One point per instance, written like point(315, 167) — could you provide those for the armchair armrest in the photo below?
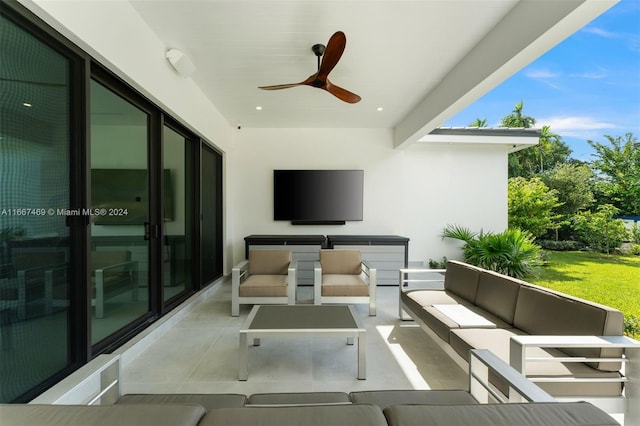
point(238, 273)
point(291, 282)
point(317, 282)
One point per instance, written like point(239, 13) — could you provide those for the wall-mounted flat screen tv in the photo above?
point(126, 189)
point(318, 196)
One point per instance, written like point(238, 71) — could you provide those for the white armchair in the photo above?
point(267, 277)
point(341, 276)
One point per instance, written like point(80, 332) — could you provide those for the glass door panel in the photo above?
point(35, 146)
point(119, 256)
point(177, 205)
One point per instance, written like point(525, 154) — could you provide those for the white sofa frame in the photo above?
point(240, 272)
point(369, 275)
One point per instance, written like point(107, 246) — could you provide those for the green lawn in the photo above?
point(607, 279)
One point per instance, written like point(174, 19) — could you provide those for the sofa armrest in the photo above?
point(631, 359)
point(419, 278)
point(521, 389)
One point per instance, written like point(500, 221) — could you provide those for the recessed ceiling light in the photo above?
point(259, 108)
point(26, 105)
point(379, 109)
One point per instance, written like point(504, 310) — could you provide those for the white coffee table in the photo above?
point(302, 320)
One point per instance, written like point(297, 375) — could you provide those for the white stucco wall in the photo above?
point(414, 192)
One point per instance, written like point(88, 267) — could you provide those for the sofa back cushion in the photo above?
point(269, 262)
point(341, 262)
point(498, 294)
point(461, 279)
point(540, 311)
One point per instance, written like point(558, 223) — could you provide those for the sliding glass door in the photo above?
point(119, 255)
point(35, 164)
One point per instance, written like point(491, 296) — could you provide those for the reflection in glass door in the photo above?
point(177, 206)
point(119, 256)
point(35, 142)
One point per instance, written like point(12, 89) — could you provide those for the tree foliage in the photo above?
point(617, 165)
point(572, 184)
point(531, 206)
point(549, 151)
point(600, 230)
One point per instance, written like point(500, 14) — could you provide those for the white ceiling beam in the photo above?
point(529, 30)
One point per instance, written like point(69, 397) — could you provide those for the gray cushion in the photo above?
point(387, 398)
point(462, 280)
point(552, 414)
point(541, 311)
point(315, 415)
point(208, 401)
point(498, 294)
point(417, 299)
point(100, 415)
point(299, 398)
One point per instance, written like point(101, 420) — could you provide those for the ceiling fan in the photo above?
point(330, 55)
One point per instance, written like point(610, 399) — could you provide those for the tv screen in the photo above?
point(318, 195)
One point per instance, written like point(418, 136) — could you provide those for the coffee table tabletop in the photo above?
point(302, 320)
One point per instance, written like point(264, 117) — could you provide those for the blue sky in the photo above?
point(586, 87)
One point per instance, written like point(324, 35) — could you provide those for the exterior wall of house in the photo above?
point(414, 192)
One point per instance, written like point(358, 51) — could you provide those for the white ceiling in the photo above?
point(421, 61)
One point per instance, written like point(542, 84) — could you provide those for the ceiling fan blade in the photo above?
point(332, 54)
point(279, 86)
point(342, 94)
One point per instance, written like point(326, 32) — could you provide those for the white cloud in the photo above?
point(541, 74)
point(576, 126)
point(595, 75)
point(600, 32)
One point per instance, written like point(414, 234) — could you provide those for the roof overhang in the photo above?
point(514, 139)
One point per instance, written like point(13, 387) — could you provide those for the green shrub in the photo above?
point(434, 264)
point(511, 252)
point(632, 326)
point(565, 245)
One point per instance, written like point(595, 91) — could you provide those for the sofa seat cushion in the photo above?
point(208, 401)
point(343, 285)
point(299, 398)
point(442, 324)
point(552, 413)
point(100, 415)
point(497, 341)
point(309, 415)
point(417, 299)
point(388, 398)
point(264, 286)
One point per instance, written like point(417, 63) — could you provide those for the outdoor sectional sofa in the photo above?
point(66, 405)
point(573, 348)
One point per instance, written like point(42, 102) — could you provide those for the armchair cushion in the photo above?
point(269, 262)
point(341, 262)
point(343, 285)
point(264, 286)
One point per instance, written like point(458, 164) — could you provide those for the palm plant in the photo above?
point(511, 252)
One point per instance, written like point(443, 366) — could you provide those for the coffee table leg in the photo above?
point(243, 371)
point(362, 356)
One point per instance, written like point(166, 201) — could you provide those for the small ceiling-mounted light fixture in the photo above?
point(179, 61)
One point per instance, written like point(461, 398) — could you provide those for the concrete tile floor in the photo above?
point(199, 354)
